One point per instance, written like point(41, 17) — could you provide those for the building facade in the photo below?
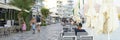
point(68, 8)
point(60, 10)
point(36, 8)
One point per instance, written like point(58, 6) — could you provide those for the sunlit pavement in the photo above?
point(51, 32)
point(113, 36)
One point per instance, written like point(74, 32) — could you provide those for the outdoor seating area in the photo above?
point(7, 19)
point(6, 31)
point(68, 33)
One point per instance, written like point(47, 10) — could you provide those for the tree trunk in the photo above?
point(105, 26)
point(19, 20)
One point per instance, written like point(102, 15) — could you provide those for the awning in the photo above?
point(9, 7)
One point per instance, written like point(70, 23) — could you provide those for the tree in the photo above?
point(45, 13)
point(23, 5)
point(119, 16)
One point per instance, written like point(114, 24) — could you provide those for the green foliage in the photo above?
point(45, 12)
point(27, 20)
point(26, 17)
point(25, 14)
point(22, 4)
point(43, 24)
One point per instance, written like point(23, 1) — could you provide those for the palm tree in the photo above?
point(23, 5)
point(45, 13)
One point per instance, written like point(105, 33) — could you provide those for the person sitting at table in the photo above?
point(78, 29)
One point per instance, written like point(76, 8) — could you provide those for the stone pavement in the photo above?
point(50, 32)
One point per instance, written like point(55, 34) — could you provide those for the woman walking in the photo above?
point(23, 26)
point(38, 27)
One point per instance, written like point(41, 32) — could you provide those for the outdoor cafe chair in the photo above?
point(1, 31)
point(68, 33)
point(86, 37)
point(80, 34)
point(69, 36)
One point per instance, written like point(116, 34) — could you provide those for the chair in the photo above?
point(68, 38)
point(6, 31)
point(80, 34)
point(68, 33)
point(1, 31)
point(66, 28)
point(12, 29)
point(86, 37)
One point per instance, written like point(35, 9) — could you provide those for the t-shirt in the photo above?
point(77, 30)
point(38, 19)
point(33, 26)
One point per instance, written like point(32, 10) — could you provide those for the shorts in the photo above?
point(33, 29)
point(39, 23)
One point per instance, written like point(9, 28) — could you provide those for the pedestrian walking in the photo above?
point(33, 27)
point(38, 27)
point(33, 24)
point(38, 22)
point(23, 26)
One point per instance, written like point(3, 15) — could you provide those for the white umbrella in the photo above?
point(9, 7)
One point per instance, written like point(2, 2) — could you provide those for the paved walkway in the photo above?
point(51, 32)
